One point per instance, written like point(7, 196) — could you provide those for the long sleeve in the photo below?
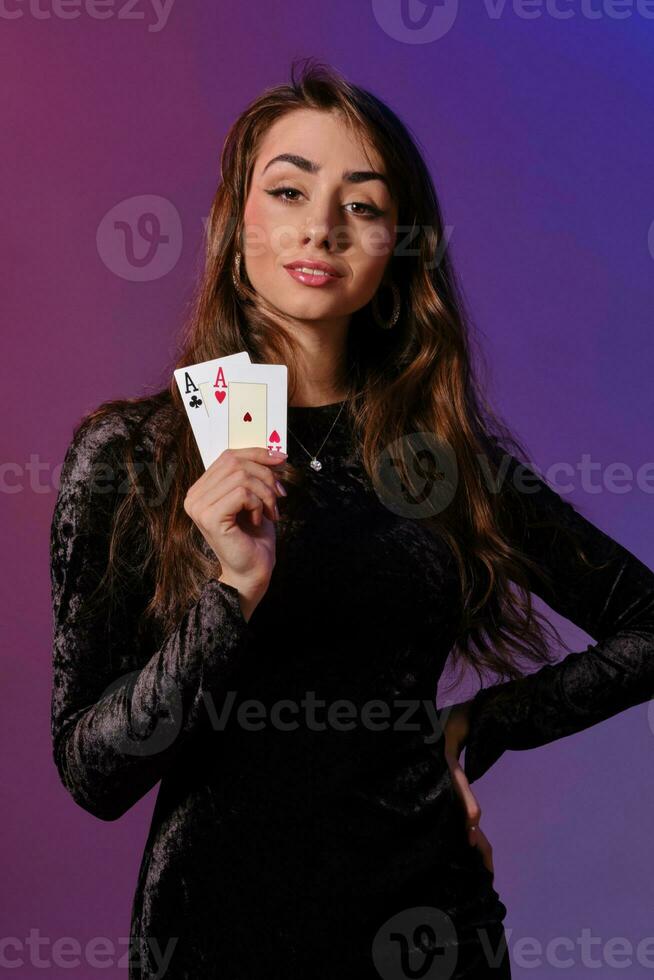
point(120, 718)
point(613, 604)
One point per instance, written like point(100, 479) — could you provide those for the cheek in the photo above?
point(374, 244)
point(267, 235)
point(256, 232)
point(258, 237)
point(370, 257)
point(251, 213)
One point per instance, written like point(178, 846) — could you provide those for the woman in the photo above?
point(266, 637)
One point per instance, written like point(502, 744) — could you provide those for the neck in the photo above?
point(321, 362)
point(320, 357)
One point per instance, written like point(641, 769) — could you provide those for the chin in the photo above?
point(313, 310)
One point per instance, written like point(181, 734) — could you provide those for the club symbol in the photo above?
point(195, 402)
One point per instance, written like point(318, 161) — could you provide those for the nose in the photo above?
point(322, 227)
point(318, 235)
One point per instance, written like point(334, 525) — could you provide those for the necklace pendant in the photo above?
point(315, 464)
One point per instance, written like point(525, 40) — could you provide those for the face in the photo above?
point(328, 207)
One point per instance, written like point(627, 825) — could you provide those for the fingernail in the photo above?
point(276, 452)
point(276, 512)
point(280, 488)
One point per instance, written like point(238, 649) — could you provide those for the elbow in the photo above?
point(93, 800)
point(99, 809)
point(96, 809)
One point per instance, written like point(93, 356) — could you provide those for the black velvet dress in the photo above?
point(299, 831)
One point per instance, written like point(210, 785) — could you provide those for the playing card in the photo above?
point(203, 386)
point(253, 413)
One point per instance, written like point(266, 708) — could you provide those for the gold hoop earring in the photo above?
point(395, 315)
point(236, 275)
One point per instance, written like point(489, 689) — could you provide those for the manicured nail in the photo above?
point(280, 488)
point(276, 452)
point(276, 512)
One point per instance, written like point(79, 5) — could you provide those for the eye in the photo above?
point(283, 190)
point(279, 191)
point(369, 210)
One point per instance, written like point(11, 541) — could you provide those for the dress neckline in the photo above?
point(316, 408)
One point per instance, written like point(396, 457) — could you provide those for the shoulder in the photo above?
point(515, 477)
point(104, 436)
point(531, 511)
point(523, 497)
point(103, 464)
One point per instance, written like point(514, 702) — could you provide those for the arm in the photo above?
point(119, 719)
point(614, 605)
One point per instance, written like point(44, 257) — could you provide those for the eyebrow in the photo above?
point(352, 176)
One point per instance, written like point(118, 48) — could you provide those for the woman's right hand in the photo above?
point(234, 505)
point(456, 731)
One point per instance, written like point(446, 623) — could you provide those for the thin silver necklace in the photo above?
point(315, 463)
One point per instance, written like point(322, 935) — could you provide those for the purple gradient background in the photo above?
point(539, 135)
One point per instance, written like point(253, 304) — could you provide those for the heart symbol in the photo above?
point(274, 436)
point(247, 417)
point(220, 395)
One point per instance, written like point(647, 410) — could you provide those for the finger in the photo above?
point(256, 454)
point(257, 516)
point(228, 460)
point(242, 499)
point(469, 801)
point(267, 475)
point(485, 849)
point(216, 492)
point(209, 487)
point(267, 493)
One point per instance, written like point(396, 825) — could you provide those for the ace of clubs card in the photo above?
point(196, 384)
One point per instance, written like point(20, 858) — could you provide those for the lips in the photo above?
point(314, 265)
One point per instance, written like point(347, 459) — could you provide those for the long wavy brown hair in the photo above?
point(411, 387)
